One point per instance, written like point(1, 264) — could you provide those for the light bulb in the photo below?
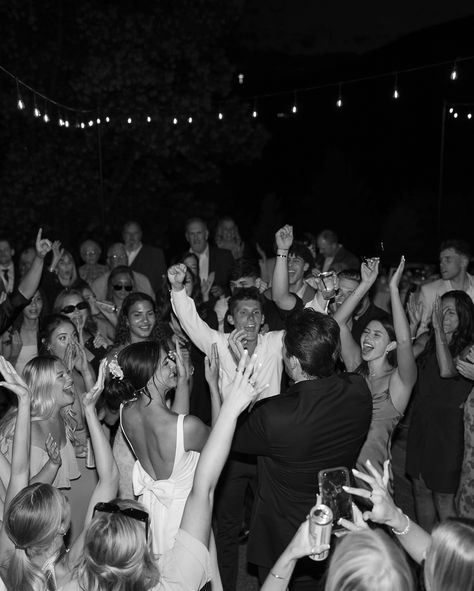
point(190, 119)
point(20, 104)
point(395, 93)
point(454, 73)
point(175, 121)
point(451, 110)
point(129, 120)
point(455, 115)
point(46, 118)
point(83, 125)
point(241, 78)
point(339, 102)
point(107, 119)
point(98, 121)
point(66, 123)
point(91, 123)
point(294, 109)
point(469, 115)
point(61, 122)
point(148, 119)
point(37, 112)
point(254, 114)
point(221, 116)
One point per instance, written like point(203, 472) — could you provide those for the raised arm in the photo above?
point(211, 368)
point(447, 367)
point(403, 380)
point(368, 271)
point(107, 470)
point(181, 396)
point(198, 510)
point(280, 287)
point(30, 282)
point(185, 309)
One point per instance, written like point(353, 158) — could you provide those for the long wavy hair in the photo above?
point(116, 556)
point(68, 255)
point(387, 325)
point(40, 376)
point(32, 522)
point(463, 335)
point(121, 269)
point(90, 325)
point(122, 330)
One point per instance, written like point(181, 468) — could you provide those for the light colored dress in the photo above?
point(165, 499)
point(385, 418)
point(465, 495)
point(27, 353)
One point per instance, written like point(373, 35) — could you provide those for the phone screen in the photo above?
point(333, 495)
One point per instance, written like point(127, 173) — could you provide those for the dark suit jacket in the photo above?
point(151, 262)
point(315, 425)
point(343, 259)
point(221, 262)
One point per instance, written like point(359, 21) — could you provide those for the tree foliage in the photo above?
point(118, 59)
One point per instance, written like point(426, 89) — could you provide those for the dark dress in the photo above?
point(436, 435)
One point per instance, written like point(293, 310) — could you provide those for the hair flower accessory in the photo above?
point(115, 369)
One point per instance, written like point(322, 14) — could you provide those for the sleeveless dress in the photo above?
point(465, 496)
point(376, 448)
point(165, 499)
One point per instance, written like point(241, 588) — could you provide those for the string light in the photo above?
point(190, 120)
point(66, 123)
point(148, 119)
point(396, 94)
point(455, 115)
point(98, 121)
point(91, 123)
point(454, 73)
point(339, 99)
point(107, 119)
point(469, 115)
point(255, 112)
point(451, 110)
point(241, 78)
point(36, 111)
point(83, 125)
point(294, 108)
point(129, 120)
point(220, 116)
point(20, 104)
point(175, 121)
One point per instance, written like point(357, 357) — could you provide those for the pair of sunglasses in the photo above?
point(121, 286)
point(127, 512)
point(70, 309)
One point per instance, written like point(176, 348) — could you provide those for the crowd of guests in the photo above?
point(127, 461)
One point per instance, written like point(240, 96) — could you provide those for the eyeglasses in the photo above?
point(121, 286)
point(127, 512)
point(70, 309)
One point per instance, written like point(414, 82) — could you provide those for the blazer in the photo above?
point(427, 296)
point(150, 261)
point(314, 425)
point(343, 259)
point(221, 262)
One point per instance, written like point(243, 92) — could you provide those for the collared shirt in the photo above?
point(132, 255)
point(8, 271)
point(269, 347)
point(203, 263)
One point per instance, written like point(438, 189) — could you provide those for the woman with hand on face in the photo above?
point(72, 304)
point(436, 434)
point(384, 357)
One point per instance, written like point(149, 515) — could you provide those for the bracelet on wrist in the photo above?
point(404, 531)
point(282, 256)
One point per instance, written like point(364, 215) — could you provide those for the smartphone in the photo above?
point(333, 495)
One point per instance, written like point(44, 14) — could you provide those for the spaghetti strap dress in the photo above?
point(165, 499)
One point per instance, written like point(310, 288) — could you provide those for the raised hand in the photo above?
point(414, 310)
point(57, 254)
point(43, 245)
point(176, 276)
point(13, 382)
point(184, 366)
point(211, 367)
point(53, 450)
point(302, 543)
point(284, 237)
point(369, 271)
point(206, 285)
point(246, 386)
point(90, 398)
point(437, 314)
point(237, 341)
point(396, 277)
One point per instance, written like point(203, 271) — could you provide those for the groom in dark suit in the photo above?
point(320, 422)
point(148, 260)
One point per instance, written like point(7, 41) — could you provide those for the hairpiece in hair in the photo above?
point(115, 369)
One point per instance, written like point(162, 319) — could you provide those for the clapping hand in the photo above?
point(437, 315)
point(237, 341)
point(211, 367)
point(13, 382)
point(414, 310)
point(90, 398)
point(369, 271)
point(246, 386)
point(397, 275)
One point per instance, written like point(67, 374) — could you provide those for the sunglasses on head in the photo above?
point(127, 512)
point(121, 286)
point(70, 309)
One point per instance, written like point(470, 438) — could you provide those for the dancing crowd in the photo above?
point(152, 417)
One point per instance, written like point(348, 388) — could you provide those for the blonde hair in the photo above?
point(32, 522)
point(449, 563)
point(116, 556)
point(40, 375)
point(368, 561)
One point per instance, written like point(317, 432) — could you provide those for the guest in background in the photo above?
point(90, 253)
point(332, 255)
point(227, 236)
point(7, 268)
point(145, 259)
point(27, 256)
point(117, 257)
point(61, 274)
